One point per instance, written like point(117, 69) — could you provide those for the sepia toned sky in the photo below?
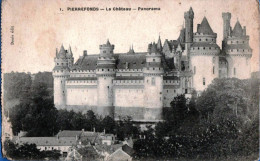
point(40, 27)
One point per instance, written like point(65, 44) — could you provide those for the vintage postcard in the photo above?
point(122, 80)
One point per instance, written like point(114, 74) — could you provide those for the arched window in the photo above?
point(194, 70)
point(234, 71)
point(213, 70)
point(204, 81)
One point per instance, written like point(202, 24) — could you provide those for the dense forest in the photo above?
point(222, 122)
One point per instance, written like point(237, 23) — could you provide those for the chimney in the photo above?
point(244, 31)
point(83, 130)
point(94, 130)
point(126, 65)
point(85, 53)
point(76, 137)
point(104, 131)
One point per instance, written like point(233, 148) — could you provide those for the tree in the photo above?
point(36, 114)
point(28, 152)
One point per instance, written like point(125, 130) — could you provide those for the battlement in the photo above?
point(226, 15)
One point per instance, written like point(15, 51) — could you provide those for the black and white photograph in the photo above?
point(121, 80)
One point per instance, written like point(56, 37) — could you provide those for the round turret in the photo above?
point(106, 50)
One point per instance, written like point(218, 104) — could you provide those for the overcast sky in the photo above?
point(40, 27)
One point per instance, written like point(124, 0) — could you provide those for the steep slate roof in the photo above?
point(135, 61)
point(128, 149)
point(237, 31)
point(181, 37)
point(204, 27)
point(47, 141)
point(171, 44)
point(69, 133)
point(86, 62)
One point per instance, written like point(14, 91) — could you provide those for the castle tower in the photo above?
point(63, 61)
point(189, 16)
point(153, 84)
point(204, 56)
point(238, 53)
point(105, 71)
point(226, 24)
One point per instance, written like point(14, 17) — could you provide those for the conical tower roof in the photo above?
point(237, 31)
point(62, 52)
point(159, 44)
point(204, 27)
point(69, 54)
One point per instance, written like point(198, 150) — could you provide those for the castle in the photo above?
point(140, 84)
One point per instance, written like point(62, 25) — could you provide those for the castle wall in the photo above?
point(59, 88)
point(239, 67)
point(128, 97)
point(105, 95)
point(168, 95)
point(81, 92)
point(205, 69)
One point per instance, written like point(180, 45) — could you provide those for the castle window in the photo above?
point(232, 50)
point(212, 39)
point(154, 60)
point(61, 63)
point(203, 48)
point(200, 39)
point(237, 42)
point(198, 47)
point(104, 51)
point(153, 81)
point(174, 91)
point(243, 42)
point(231, 42)
point(213, 70)
point(204, 82)
point(57, 63)
point(167, 91)
point(153, 68)
point(107, 69)
point(234, 71)
point(206, 39)
point(237, 49)
point(209, 47)
point(194, 70)
point(102, 69)
point(147, 81)
point(243, 50)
